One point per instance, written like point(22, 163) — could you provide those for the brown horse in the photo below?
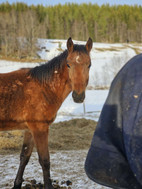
point(30, 99)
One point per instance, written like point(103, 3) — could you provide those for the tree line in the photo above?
point(21, 25)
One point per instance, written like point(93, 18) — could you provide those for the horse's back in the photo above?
point(118, 136)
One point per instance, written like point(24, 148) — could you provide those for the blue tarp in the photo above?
point(115, 156)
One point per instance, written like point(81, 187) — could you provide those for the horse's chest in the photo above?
point(50, 110)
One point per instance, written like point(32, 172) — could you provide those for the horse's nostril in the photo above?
point(78, 98)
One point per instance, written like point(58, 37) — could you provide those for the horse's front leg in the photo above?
point(27, 149)
point(41, 142)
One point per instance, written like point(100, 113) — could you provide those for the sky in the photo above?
point(54, 2)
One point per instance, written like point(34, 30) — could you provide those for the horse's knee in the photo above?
point(25, 155)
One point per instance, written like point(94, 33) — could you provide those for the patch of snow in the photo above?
point(65, 165)
point(93, 104)
point(9, 66)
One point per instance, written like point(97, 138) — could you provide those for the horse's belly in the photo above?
point(12, 125)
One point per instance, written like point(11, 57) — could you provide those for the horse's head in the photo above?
point(78, 63)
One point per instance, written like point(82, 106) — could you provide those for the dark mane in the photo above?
point(44, 73)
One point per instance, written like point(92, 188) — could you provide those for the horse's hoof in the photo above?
point(16, 187)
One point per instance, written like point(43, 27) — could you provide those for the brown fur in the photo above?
point(30, 99)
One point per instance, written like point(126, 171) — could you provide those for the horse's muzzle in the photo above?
point(78, 98)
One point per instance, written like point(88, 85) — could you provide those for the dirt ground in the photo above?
point(75, 134)
point(69, 142)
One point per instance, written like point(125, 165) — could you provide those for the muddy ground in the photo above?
point(69, 142)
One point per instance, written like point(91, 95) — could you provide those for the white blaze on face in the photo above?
point(55, 71)
point(77, 59)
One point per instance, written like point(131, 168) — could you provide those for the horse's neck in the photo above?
point(60, 84)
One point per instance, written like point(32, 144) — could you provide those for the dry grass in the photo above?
point(71, 135)
point(68, 135)
point(137, 50)
point(107, 49)
point(113, 48)
point(11, 141)
point(33, 60)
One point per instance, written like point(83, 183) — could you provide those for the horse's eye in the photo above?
point(68, 65)
point(89, 66)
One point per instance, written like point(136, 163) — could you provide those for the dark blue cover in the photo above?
point(115, 156)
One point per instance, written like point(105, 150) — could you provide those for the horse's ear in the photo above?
point(89, 44)
point(70, 45)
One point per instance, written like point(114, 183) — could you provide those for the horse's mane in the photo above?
point(44, 73)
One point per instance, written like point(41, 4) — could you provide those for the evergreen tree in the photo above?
point(102, 23)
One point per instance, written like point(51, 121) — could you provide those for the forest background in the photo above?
point(21, 25)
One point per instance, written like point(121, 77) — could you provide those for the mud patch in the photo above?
point(56, 184)
point(65, 165)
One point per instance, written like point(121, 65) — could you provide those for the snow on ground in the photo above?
point(90, 109)
point(9, 66)
point(65, 165)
